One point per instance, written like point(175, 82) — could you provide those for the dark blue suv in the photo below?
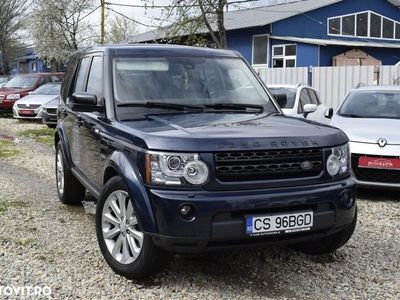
point(186, 151)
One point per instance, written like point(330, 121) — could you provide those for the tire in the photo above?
point(69, 189)
point(126, 249)
point(330, 243)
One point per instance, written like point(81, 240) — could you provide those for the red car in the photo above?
point(20, 86)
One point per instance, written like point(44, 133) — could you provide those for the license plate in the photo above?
point(379, 163)
point(26, 112)
point(279, 223)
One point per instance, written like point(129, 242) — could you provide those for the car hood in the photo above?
point(6, 91)
point(53, 103)
point(228, 131)
point(369, 130)
point(37, 99)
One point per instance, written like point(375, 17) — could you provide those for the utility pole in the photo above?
point(103, 8)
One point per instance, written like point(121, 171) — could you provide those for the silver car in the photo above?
point(370, 116)
point(301, 101)
point(31, 106)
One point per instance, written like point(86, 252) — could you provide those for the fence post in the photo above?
point(310, 75)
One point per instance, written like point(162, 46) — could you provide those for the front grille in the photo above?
point(374, 175)
point(268, 165)
point(51, 111)
point(31, 106)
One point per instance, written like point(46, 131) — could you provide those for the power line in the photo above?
point(174, 6)
point(135, 21)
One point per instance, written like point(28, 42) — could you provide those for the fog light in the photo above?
point(187, 212)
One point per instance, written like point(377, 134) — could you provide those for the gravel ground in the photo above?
point(44, 243)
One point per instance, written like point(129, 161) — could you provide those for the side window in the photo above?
point(95, 78)
point(44, 80)
point(304, 99)
point(313, 97)
point(80, 77)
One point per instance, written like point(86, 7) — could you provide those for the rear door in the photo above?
point(72, 117)
point(91, 124)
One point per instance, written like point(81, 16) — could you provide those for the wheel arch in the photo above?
point(120, 165)
point(60, 137)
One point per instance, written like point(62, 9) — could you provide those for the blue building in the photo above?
point(313, 33)
point(29, 63)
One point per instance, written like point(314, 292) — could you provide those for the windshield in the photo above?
point(186, 81)
point(372, 104)
point(284, 96)
point(21, 82)
point(48, 89)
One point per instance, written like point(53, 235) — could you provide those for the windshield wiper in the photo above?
point(351, 116)
point(151, 104)
point(235, 106)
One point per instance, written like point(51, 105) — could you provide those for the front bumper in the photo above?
point(35, 115)
point(6, 104)
point(49, 118)
point(375, 178)
point(220, 216)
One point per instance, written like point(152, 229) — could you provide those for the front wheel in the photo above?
point(125, 247)
point(330, 243)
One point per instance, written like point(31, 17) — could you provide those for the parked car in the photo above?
point(32, 106)
point(186, 151)
point(20, 86)
point(301, 101)
point(370, 116)
point(49, 113)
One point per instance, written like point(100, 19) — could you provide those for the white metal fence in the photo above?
point(332, 83)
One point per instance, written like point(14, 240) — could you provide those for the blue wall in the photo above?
point(242, 40)
point(309, 25)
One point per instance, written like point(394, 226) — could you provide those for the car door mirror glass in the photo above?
point(329, 113)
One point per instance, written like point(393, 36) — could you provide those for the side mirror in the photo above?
point(84, 102)
point(309, 108)
point(329, 113)
point(281, 99)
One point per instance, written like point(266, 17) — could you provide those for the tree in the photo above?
point(120, 30)
point(12, 20)
point(190, 17)
point(60, 27)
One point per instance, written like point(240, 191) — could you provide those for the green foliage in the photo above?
point(7, 149)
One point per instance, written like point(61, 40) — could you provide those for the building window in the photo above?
point(284, 56)
point(362, 25)
point(365, 24)
point(334, 26)
point(260, 50)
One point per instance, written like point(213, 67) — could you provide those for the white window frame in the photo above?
point(368, 28)
point(284, 56)
point(252, 50)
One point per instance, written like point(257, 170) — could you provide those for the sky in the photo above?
point(149, 16)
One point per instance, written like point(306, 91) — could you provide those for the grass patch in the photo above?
point(45, 135)
point(25, 242)
point(3, 207)
point(7, 149)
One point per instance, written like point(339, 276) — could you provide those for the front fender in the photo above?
point(133, 180)
point(64, 144)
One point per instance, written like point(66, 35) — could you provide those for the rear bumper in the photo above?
point(220, 216)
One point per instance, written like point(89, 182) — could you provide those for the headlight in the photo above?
point(13, 96)
point(176, 169)
point(338, 161)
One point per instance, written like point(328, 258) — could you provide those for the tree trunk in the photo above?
point(221, 23)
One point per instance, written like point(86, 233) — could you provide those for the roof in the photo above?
point(324, 42)
point(395, 88)
point(253, 17)
point(160, 49)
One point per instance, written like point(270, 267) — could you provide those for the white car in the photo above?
point(370, 116)
point(31, 106)
point(301, 101)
